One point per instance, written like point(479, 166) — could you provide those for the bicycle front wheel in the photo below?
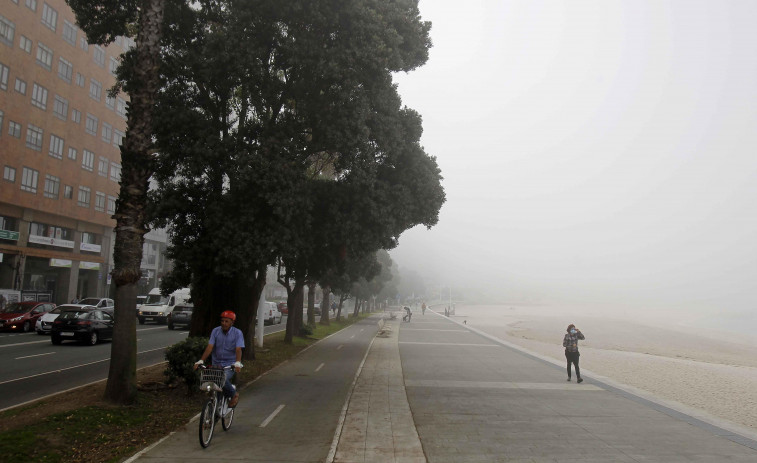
point(207, 422)
point(227, 419)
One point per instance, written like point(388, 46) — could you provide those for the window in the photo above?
point(76, 115)
point(118, 138)
point(84, 195)
point(31, 4)
point(25, 44)
point(113, 66)
point(69, 32)
point(102, 166)
point(7, 31)
point(60, 107)
point(9, 174)
point(52, 186)
point(29, 179)
point(115, 171)
point(121, 107)
point(95, 89)
point(44, 56)
point(111, 204)
point(100, 202)
point(87, 160)
point(34, 137)
point(4, 70)
point(110, 102)
point(65, 69)
point(20, 86)
point(91, 127)
point(68, 192)
point(99, 56)
point(39, 96)
point(79, 80)
point(49, 17)
point(83, 44)
point(56, 146)
point(14, 129)
point(72, 153)
point(107, 132)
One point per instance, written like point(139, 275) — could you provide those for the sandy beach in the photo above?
point(715, 372)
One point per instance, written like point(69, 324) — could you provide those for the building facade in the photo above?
point(60, 133)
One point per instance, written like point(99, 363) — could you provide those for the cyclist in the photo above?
point(226, 344)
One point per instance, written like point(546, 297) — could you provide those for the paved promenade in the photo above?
point(434, 390)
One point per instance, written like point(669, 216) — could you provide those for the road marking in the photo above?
point(319, 367)
point(432, 329)
point(352, 336)
point(340, 346)
point(70, 368)
point(272, 416)
point(451, 344)
point(35, 355)
point(361, 329)
point(501, 385)
point(25, 343)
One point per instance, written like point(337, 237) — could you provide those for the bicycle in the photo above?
point(216, 407)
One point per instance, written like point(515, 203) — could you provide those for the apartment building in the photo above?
point(60, 134)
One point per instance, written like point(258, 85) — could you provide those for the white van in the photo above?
point(157, 307)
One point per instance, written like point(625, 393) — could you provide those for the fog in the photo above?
point(594, 153)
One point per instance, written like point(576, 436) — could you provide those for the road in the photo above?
point(33, 367)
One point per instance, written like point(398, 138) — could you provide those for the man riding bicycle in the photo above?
point(226, 344)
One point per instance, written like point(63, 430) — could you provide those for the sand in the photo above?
point(709, 371)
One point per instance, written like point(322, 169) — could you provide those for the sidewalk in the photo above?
point(378, 426)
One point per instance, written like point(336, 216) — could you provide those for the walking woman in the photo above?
point(570, 342)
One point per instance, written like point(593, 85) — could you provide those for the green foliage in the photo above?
point(181, 358)
point(307, 330)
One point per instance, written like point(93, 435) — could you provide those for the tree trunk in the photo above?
point(299, 310)
point(356, 310)
point(293, 321)
point(311, 304)
point(342, 297)
point(326, 306)
point(246, 319)
point(131, 206)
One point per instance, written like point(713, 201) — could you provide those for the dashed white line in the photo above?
point(272, 416)
point(319, 367)
point(352, 336)
point(35, 355)
point(340, 346)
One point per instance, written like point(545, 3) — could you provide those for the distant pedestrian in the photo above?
point(570, 342)
point(423, 308)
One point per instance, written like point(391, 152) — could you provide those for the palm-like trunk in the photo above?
point(131, 207)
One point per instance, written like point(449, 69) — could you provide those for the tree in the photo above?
point(103, 21)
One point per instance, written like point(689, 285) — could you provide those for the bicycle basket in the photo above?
point(214, 376)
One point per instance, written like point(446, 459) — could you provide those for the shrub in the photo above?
point(306, 330)
point(181, 358)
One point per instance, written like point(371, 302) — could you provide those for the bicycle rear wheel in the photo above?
point(207, 422)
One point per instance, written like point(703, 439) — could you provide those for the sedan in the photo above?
point(86, 325)
point(22, 316)
point(180, 315)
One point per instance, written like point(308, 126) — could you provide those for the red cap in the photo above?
point(229, 314)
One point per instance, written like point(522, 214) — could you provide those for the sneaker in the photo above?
point(234, 400)
point(568, 378)
point(579, 380)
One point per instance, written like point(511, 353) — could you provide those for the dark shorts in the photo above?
point(572, 356)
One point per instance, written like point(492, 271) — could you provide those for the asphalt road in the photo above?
point(33, 367)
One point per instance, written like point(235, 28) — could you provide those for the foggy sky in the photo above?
point(592, 151)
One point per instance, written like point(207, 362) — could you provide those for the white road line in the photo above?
point(340, 346)
point(451, 344)
point(69, 368)
point(25, 343)
point(319, 367)
point(562, 386)
point(36, 355)
point(352, 336)
point(432, 329)
point(272, 416)
point(361, 329)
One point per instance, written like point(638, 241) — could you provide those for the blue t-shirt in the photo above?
point(225, 345)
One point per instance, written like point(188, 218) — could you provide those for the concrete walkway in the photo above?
point(378, 426)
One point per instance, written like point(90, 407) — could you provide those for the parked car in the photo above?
point(85, 324)
point(23, 316)
point(45, 323)
point(283, 308)
point(99, 302)
point(180, 315)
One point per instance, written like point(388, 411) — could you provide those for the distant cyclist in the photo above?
point(226, 344)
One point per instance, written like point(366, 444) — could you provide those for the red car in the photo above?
point(283, 308)
point(22, 316)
